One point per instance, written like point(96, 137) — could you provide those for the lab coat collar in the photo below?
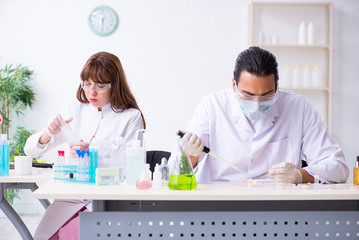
point(105, 108)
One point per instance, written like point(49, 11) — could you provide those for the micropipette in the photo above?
point(208, 151)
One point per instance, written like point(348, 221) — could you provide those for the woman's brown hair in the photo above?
point(104, 67)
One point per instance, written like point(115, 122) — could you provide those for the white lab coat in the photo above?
point(292, 131)
point(88, 124)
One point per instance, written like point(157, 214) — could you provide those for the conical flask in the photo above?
point(182, 177)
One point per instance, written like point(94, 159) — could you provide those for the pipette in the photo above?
point(208, 151)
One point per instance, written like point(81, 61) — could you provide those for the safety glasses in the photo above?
point(255, 98)
point(99, 88)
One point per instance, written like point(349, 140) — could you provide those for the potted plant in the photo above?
point(15, 95)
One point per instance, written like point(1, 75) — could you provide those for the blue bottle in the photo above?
point(4, 156)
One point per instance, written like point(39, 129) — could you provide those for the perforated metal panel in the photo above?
point(219, 225)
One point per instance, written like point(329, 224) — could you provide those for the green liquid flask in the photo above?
point(182, 177)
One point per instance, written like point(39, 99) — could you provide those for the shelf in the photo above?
point(280, 21)
point(293, 46)
point(288, 4)
point(305, 89)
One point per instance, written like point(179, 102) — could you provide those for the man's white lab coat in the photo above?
point(292, 131)
point(102, 128)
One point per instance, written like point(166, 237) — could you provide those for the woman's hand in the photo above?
point(79, 146)
point(52, 128)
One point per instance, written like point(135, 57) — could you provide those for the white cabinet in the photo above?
point(276, 27)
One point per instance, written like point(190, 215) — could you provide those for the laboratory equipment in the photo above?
point(157, 176)
point(144, 182)
point(93, 162)
point(182, 177)
point(317, 77)
point(307, 75)
point(135, 158)
point(4, 155)
point(297, 77)
point(302, 34)
point(164, 171)
point(61, 157)
point(209, 152)
point(356, 172)
point(310, 33)
point(118, 158)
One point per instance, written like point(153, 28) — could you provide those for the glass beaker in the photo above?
point(182, 177)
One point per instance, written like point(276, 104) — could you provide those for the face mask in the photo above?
point(255, 110)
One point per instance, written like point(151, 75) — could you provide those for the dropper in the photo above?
point(208, 151)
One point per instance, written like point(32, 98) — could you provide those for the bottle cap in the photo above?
point(164, 161)
point(157, 167)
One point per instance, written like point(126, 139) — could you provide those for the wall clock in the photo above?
point(103, 20)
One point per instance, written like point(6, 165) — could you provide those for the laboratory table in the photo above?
point(216, 210)
point(22, 182)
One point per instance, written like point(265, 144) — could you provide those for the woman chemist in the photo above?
point(106, 110)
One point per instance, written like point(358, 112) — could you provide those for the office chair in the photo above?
point(153, 157)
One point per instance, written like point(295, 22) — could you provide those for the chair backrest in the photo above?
point(153, 157)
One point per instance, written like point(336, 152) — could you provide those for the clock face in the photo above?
point(103, 20)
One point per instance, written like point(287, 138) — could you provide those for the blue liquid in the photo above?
point(93, 162)
point(4, 160)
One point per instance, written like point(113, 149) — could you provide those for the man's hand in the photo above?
point(192, 144)
point(285, 172)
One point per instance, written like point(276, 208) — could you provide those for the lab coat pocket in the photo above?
point(279, 151)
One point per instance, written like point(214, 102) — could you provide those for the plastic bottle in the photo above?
point(135, 159)
point(286, 79)
point(118, 158)
point(157, 176)
point(4, 155)
point(356, 172)
point(275, 39)
point(261, 38)
point(310, 34)
point(149, 172)
point(302, 38)
point(297, 77)
point(144, 182)
point(164, 171)
point(307, 77)
point(317, 77)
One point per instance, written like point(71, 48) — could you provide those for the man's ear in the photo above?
point(234, 85)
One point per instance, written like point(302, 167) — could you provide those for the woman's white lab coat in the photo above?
point(292, 131)
point(100, 128)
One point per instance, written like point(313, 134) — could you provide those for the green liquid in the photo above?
point(182, 182)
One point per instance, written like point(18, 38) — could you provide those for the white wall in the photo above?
point(173, 52)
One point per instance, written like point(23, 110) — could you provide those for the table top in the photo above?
point(38, 175)
point(211, 191)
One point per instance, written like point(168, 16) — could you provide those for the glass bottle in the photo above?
point(182, 177)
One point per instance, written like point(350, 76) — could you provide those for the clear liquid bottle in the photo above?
point(182, 177)
point(317, 77)
point(118, 158)
point(164, 171)
point(307, 77)
point(4, 155)
point(286, 78)
point(157, 176)
point(297, 77)
point(135, 159)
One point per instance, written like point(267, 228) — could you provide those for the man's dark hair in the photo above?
point(256, 61)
